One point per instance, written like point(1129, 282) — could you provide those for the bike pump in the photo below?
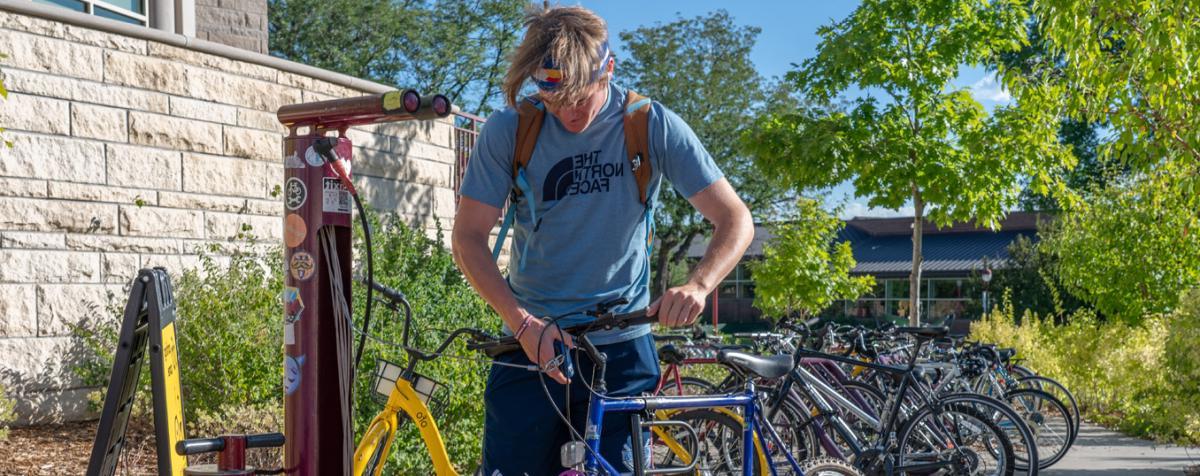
point(318, 202)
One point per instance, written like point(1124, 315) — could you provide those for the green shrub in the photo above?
point(231, 350)
point(6, 413)
point(442, 300)
point(1140, 378)
point(229, 334)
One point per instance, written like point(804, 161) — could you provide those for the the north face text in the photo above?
point(580, 174)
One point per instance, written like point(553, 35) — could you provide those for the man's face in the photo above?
point(577, 117)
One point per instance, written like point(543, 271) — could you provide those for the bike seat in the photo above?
point(670, 355)
point(1007, 353)
point(771, 366)
point(924, 332)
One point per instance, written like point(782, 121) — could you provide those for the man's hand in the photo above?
point(538, 343)
point(679, 306)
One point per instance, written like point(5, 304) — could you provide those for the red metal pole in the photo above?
point(316, 400)
point(318, 373)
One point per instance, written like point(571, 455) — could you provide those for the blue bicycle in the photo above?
point(706, 440)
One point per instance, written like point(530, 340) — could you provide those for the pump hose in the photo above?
point(362, 338)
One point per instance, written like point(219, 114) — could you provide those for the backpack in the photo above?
point(530, 115)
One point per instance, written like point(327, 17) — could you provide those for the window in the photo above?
point(128, 11)
point(738, 284)
point(940, 297)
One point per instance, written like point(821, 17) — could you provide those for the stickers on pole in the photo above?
point(313, 158)
point(292, 162)
point(293, 307)
point(291, 373)
point(294, 230)
point(295, 193)
point(334, 196)
point(302, 266)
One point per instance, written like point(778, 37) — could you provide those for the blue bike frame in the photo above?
point(602, 405)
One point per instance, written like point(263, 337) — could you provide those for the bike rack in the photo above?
point(318, 363)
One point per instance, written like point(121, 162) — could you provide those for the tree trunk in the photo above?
point(914, 280)
point(662, 278)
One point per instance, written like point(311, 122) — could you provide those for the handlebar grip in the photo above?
point(265, 440)
point(200, 445)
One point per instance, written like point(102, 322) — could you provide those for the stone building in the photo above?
point(138, 136)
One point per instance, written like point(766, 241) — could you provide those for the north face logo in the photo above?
point(580, 174)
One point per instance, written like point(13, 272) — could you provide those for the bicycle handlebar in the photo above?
point(608, 321)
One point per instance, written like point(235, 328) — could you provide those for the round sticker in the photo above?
point(313, 158)
point(294, 230)
point(295, 194)
point(302, 266)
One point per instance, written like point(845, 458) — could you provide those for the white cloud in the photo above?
point(987, 89)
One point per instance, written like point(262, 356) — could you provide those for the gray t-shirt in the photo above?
point(589, 245)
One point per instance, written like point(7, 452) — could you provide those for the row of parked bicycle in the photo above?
point(883, 401)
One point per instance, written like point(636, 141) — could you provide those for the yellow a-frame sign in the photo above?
point(149, 324)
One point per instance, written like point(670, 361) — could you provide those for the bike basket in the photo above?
point(435, 394)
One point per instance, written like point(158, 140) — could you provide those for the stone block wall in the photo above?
point(130, 153)
point(237, 23)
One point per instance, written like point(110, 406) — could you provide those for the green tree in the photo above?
point(1037, 60)
point(700, 68)
point(1130, 248)
point(1125, 64)
point(455, 47)
point(804, 269)
point(926, 144)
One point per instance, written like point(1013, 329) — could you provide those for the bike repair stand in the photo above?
point(318, 373)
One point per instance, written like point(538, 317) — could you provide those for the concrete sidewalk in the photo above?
point(1102, 452)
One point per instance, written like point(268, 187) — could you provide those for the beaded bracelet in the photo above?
point(524, 325)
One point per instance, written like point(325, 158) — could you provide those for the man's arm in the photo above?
point(733, 229)
point(472, 227)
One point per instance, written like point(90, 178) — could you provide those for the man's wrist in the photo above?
point(515, 318)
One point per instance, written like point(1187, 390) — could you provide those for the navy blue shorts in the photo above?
point(522, 433)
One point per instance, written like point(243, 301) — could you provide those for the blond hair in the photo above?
point(570, 35)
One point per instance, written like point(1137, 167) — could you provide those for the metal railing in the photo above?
point(466, 131)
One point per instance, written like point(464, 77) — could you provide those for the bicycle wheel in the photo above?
point(1024, 444)
point(794, 426)
point(718, 450)
point(1051, 386)
point(375, 462)
point(1049, 420)
point(963, 438)
point(688, 386)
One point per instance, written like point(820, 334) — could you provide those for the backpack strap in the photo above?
point(530, 115)
point(637, 148)
point(637, 140)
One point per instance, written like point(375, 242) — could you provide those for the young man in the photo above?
point(588, 244)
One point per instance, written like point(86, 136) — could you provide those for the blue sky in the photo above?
point(789, 35)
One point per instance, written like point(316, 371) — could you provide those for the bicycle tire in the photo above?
point(720, 442)
point(1006, 458)
point(1007, 419)
point(1039, 408)
point(696, 384)
point(1058, 390)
